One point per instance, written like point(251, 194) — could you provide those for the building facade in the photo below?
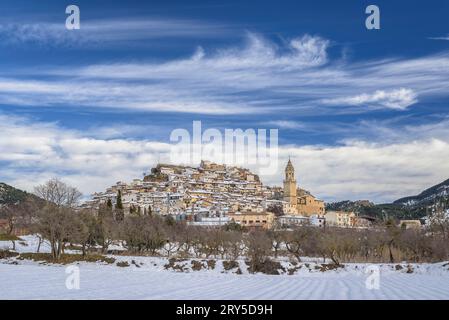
point(410, 224)
point(341, 219)
point(299, 201)
point(253, 219)
point(295, 220)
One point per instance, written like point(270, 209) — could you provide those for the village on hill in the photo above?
point(217, 194)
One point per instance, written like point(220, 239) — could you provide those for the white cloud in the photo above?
point(34, 151)
point(260, 76)
point(439, 38)
point(286, 124)
point(361, 170)
point(94, 33)
point(258, 54)
point(398, 99)
point(206, 84)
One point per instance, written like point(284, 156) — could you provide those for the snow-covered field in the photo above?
point(147, 278)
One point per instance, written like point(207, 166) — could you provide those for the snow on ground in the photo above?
point(27, 243)
point(110, 282)
point(147, 278)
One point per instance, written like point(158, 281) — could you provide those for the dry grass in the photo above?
point(9, 237)
point(65, 258)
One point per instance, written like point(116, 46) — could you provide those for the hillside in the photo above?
point(11, 195)
point(412, 207)
point(378, 211)
point(428, 196)
point(349, 205)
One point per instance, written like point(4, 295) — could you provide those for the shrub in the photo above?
point(291, 271)
point(211, 264)
point(228, 265)
point(197, 265)
point(172, 263)
point(5, 254)
point(268, 266)
point(330, 266)
point(123, 264)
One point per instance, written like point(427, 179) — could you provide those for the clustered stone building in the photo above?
point(214, 194)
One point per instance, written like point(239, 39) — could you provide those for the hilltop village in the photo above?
point(215, 194)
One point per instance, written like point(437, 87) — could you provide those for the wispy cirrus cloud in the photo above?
point(108, 32)
point(297, 76)
point(439, 38)
point(258, 54)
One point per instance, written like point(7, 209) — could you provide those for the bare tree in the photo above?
point(56, 220)
point(235, 244)
point(259, 248)
point(18, 216)
point(84, 230)
point(276, 238)
point(107, 230)
point(57, 225)
point(295, 240)
point(57, 192)
point(391, 237)
point(8, 212)
point(144, 233)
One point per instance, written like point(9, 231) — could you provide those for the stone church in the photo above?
point(299, 201)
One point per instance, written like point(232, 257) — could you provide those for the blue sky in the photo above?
point(363, 113)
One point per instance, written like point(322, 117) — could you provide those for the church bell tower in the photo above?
point(290, 185)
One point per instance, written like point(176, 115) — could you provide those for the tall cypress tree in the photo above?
point(119, 204)
point(119, 213)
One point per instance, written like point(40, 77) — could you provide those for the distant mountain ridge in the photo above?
point(411, 207)
point(427, 197)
